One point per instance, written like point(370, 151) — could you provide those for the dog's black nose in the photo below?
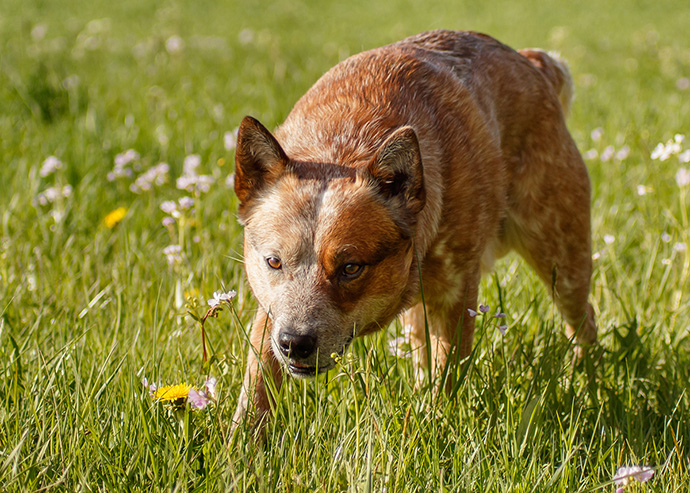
point(296, 345)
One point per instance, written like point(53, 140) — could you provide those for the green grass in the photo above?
point(86, 311)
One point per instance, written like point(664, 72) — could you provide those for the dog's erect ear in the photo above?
point(397, 169)
point(259, 159)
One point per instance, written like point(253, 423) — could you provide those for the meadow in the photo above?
point(105, 255)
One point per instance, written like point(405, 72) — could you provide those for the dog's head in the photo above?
point(328, 249)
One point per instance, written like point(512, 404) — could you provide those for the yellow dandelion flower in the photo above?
point(114, 217)
point(172, 393)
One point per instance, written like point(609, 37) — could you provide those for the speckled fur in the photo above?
point(445, 150)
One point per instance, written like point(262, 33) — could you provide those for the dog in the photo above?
point(395, 181)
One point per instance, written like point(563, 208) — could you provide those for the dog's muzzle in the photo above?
point(300, 354)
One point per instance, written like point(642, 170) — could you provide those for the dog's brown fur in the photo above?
point(442, 152)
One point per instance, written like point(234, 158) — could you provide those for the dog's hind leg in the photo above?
point(549, 225)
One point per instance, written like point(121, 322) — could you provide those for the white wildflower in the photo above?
point(204, 183)
point(190, 181)
point(191, 163)
point(609, 239)
point(124, 158)
point(173, 254)
point(230, 140)
point(122, 161)
point(169, 206)
point(155, 176)
point(57, 215)
point(401, 347)
point(38, 32)
point(673, 147)
point(211, 384)
point(186, 203)
point(607, 154)
point(591, 154)
point(623, 153)
point(50, 166)
point(220, 297)
point(624, 475)
point(174, 44)
point(195, 183)
point(659, 152)
point(185, 182)
point(42, 198)
point(683, 177)
point(52, 194)
point(119, 172)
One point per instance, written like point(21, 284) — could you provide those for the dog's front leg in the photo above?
point(263, 369)
point(447, 326)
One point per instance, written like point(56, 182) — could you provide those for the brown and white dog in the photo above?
point(412, 165)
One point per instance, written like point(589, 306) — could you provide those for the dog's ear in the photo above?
point(397, 169)
point(259, 159)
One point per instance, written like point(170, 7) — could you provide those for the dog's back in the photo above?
point(479, 109)
point(418, 80)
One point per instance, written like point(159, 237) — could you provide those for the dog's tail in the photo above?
point(556, 71)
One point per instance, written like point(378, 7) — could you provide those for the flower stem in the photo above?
point(211, 312)
point(203, 341)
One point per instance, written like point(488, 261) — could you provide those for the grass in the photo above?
point(87, 311)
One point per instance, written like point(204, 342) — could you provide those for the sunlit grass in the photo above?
point(97, 280)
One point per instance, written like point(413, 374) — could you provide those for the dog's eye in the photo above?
point(274, 263)
point(350, 271)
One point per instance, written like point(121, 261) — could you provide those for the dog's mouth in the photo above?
point(300, 369)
